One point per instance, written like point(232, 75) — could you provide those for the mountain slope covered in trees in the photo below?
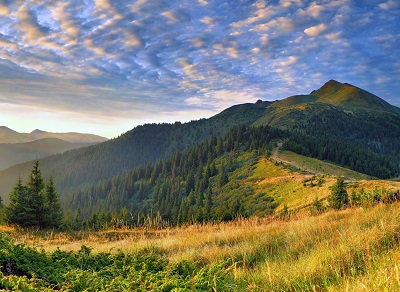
point(321, 125)
point(74, 170)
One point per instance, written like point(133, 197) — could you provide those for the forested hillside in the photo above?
point(203, 183)
point(74, 170)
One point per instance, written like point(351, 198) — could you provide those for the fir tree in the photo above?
point(18, 211)
point(54, 210)
point(35, 186)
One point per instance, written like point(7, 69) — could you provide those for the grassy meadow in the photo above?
point(356, 249)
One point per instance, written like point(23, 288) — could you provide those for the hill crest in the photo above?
point(350, 96)
point(9, 136)
point(341, 95)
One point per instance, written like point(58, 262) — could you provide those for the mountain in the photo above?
point(348, 96)
point(69, 137)
point(11, 154)
point(10, 136)
point(77, 169)
point(342, 111)
point(333, 123)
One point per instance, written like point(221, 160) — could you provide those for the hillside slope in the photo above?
point(12, 154)
point(10, 136)
point(74, 170)
point(338, 114)
point(71, 137)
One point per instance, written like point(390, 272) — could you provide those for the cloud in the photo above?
point(288, 3)
point(170, 15)
point(315, 30)
point(289, 61)
point(313, 10)
point(202, 2)
point(390, 4)
point(222, 99)
point(4, 10)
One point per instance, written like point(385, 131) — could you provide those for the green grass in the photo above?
point(316, 166)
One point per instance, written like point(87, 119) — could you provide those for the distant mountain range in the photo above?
point(12, 154)
point(339, 122)
point(17, 147)
point(10, 136)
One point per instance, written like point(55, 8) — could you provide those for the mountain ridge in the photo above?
point(343, 95)
point(16, 153)
point(372, 130)
point(72, 137)
point(10, 136)
point(350, 96)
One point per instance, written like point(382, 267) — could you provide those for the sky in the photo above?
point(105, 66)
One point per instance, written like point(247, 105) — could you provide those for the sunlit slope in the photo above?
point(350, 96)
point(264, 186)
point(319, 167)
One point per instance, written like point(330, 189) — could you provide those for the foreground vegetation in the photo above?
point(356, 249)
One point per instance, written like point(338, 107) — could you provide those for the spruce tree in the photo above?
point(35, 187)
point(18, 211)
point(54, 210)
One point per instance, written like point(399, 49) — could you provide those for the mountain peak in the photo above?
point(329, 88)
point(333, 82)
point(37, 131)
point(350, 96)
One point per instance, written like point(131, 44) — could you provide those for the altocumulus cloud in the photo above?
point(154, 60)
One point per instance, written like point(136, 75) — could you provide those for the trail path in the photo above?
point(275, 154)
point(277, 159)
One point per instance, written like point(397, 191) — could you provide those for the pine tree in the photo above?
point(339, 197)
point(35, 186)
point(18, 211)
point(54, 210)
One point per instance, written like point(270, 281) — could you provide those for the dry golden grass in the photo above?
point(287, 186)
point(354, 249)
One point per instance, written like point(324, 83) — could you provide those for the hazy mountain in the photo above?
point(10, 136)
point(11, 154)
point(69, 137)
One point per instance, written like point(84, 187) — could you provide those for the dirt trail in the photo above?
point(275, 154)
point(277, 159)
